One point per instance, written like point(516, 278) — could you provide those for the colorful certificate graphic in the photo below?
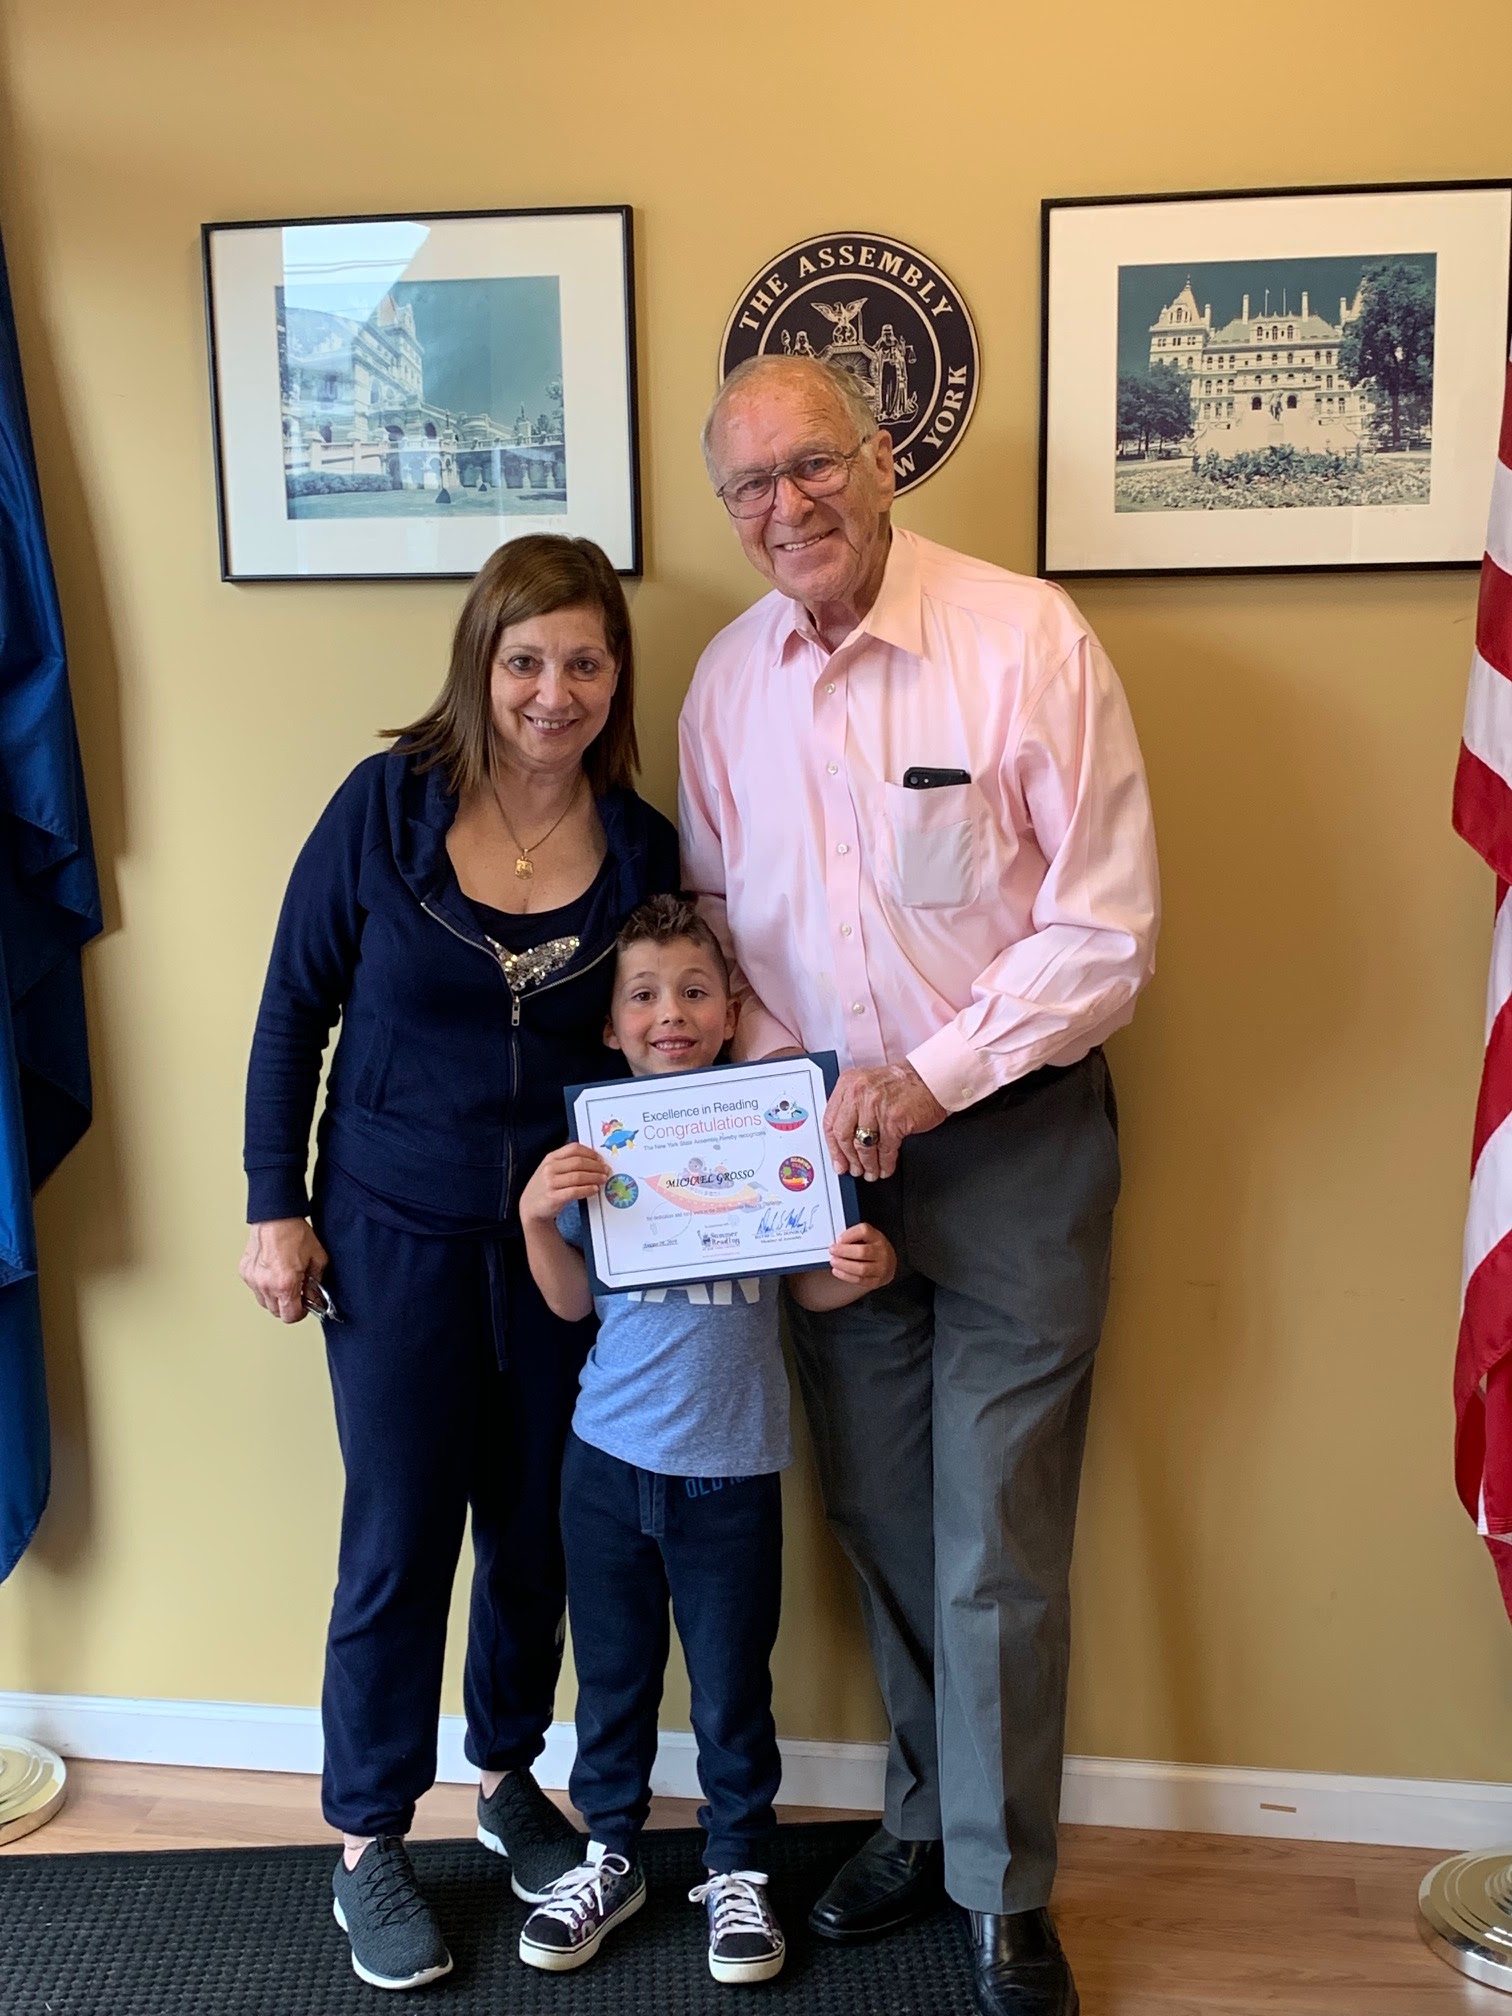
point(717, 1174)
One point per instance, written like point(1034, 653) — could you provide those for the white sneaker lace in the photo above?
point(738, 1905)
point(574, 1898)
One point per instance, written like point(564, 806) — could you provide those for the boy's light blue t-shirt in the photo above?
point(688, 1381)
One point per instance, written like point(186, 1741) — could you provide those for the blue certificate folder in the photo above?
point(720, 1174)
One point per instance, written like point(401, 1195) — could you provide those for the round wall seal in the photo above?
point(881, 311)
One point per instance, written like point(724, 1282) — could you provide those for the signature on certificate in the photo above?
point(786, 1221)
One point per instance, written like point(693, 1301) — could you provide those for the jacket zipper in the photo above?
point(492, 951)
point(514, 1018)
point(597, 960)
point(496, 952)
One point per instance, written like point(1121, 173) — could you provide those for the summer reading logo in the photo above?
point(882, 311)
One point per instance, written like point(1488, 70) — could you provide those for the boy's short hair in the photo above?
point(662, 920)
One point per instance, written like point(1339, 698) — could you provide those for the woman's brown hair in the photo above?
point(527, 577)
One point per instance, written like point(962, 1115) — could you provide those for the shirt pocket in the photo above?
point(935, 840)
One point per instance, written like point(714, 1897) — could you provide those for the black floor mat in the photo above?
point(249, 1932)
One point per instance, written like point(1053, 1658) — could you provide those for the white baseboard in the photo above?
point(259, 1736)
point(1290, 1805)
point(1097, 1791)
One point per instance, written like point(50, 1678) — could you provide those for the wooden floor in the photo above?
point(1156, 1924)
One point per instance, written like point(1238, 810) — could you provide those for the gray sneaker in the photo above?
point(396, 1943)
point(537, 1840)
point(745, 1940)
point(580, 1908)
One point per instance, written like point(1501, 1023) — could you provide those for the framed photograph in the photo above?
point(394, 397)
point(719, 1175)
point(1306, 379)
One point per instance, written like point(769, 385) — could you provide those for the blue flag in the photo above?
point(49, 909)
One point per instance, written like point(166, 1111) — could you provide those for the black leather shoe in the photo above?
point(1020, 1968)
point(884, 1884)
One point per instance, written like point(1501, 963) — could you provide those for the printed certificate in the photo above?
point(717, 1174)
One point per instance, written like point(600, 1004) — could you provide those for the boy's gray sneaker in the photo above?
point(396, 1942)
point(536, 1838)
point(579, 1909)
point(745, 1940)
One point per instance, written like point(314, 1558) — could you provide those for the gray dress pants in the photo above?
point(949, 1415)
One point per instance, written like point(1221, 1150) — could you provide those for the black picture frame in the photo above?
point(249, 347)
point(1099, 254)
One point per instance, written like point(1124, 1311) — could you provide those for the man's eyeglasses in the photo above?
point(820, 474)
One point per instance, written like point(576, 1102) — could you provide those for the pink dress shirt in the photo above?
point(976, 930)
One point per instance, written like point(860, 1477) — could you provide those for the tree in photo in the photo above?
point(1389, 349)
point(1133, 407)
point(1170, 404)
point(1154, 405)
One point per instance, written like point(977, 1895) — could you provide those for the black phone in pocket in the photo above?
point(921, 778)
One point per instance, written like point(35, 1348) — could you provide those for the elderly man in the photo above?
point(913, 804)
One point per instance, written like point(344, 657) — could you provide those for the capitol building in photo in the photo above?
point(1264, 379)
point(354, 406)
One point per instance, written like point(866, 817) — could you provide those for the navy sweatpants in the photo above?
point(432, 1426)
point(713, 1547)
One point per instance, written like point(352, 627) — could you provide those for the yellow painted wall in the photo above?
point(1271, 1568)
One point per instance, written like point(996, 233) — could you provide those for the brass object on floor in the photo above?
point(1465, 1914)
point(33, 1786)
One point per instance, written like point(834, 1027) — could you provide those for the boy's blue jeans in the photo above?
point(713, 1546)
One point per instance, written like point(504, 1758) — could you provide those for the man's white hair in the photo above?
point(840, 384)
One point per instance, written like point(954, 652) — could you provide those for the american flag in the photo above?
point(1483, 817)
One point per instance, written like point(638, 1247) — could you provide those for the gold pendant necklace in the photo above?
point(524, 867)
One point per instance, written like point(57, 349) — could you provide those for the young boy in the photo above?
point(670, 1490)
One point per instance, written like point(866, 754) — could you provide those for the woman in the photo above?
point(456, 908)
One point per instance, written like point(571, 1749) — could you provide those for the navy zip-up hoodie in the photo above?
point(446, 1087)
